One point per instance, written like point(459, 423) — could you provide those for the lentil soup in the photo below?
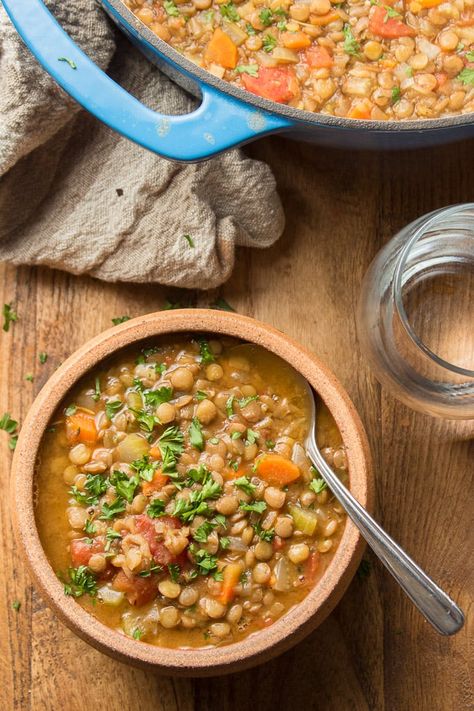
point(174, 498)
point(360, 59)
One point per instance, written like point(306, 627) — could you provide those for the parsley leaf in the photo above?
point(29, 377)
point(221, 304)
point(252, 436)
point(109, 511)
point(201, 534)
point(265, 535)
point(97, 391)
point(245, 484)
point(207, 356)
point(206, 562)
point(266, 17)
point(124, 486)
point(120, 319)
point(175, 571)
point(16, 604)
point(317, 484)
point(229, 11)
point(156, 508)
point(268, 43)
point(81, 582)
point(112, 407)
point(195, 434)
point(189, 240)
point(153, 398)
point(155, 568)
point(200, 395)
point(466, 76)
point(170, 8)
point(229, 406)
point(9, 316)
point(470, 56)
point(396, 95)
point(7, 424)
point(89, 527)
point(144, 467)
point(251, 69)
point(43, 357)
point(351, 45)
point(244, 401)
point(146, 421)
point(256, 507)
point(70, 410)
point(71, 63)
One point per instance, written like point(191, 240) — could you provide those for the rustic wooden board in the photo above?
point(374, 652)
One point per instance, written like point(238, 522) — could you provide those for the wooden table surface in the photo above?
point(375, 651)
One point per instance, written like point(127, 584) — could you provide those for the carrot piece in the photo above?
point(221, 50)
point(275, 83)
point(232, 573)
point(381, 24)
point(295, 40)
point(155, 452)
point(277, 470)
point(80, 427)
point(359, 111)
point(318, 57)
point(158, 482)
point(323, 20)
point(419, 5)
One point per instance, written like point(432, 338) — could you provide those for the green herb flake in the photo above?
point(124, 486)
point(244, 401)
point(249, 29)
point(120, 319)
point(70, 410)
point(16, 604)
point(156, 508)
point(264, 534)
point(270, 444)
point(266, 17)
point(155, 568)
point(174, 571)
point(317, 485)
point(214, 440)
point(229, 406)
point(469, 55)
point(251, 69)
point(207, 356)
point(351, 46)
point(466, 76)
point(9, 316)
point(221, 304)
point(109, 511)
point(195, 434)
point(112, 407)
point(153, 398)
point(246, 485)
point(71, 63)
point(43, 357)
point(200, 395)
point(137, 633)
point(7, 424)
point(82, 581)
point(236, 435)
point(89, 527)
point(29, 377)
point(269, 43)
point(252, 436)
point(229, 11)
point(396, 95)
point(170, 8)
point(224, 542)
point(189, 240)
point(257, 507)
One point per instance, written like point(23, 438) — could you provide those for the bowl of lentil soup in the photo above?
point(163, 497)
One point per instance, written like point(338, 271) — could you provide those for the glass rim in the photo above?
point(397, 288)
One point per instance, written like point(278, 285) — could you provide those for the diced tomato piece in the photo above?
point(138, 591)
point(311, 567)
point(389, 27)
point(146, 528)
point(318, 57)
point(82, 550)
point(275, 83)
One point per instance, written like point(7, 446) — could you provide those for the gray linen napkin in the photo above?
point(76, 196)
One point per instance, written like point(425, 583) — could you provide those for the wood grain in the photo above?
point(374, 653)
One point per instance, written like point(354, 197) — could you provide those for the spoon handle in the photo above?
point(436, 606)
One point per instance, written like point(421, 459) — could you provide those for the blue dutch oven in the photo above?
point(227, 115)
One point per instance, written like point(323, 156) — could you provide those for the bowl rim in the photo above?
point(303, 617)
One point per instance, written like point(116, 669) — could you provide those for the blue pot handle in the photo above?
point(219, 123)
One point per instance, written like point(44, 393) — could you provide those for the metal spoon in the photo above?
point(434, 604)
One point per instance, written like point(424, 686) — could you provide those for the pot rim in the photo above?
point(297, 115)
point(304, 616)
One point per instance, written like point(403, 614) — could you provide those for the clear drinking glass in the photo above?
point(416, 313)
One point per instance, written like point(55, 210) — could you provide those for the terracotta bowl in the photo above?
point(286, 631)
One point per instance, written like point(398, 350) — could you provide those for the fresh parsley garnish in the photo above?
point(112, 407)
point(200, 395)
point(229, 11)
point(71, 63)
point(268, 43)
point(466, 76)
point(9, 316)
point(317, 484)
point(229, 406)
point(146, 421)
point(245, 484)
point(124, 486)
point(81, 582)
point(266, 17)
point(351, 45)
point(170, 8)
point(144, 467)
point(251, 436)
point(264, 534)
point(97, 391)
point(137, 633)
point(175, 571)
point(153, 398)
point(109, 511)
point(270, 444)
point(70, 410)
point(156, 508)
point(196, 504)
point(10, 427)
point(221, 304)
point(206, 562)
point(196, 436)
point(396, 95)
point(89, 527)
point(207, 356)
point(155, 568)
point(244, 401)
point(251, 69)
point(256, 507)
